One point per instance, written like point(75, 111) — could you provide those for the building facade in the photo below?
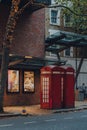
point(56, 21)
point(23, 83)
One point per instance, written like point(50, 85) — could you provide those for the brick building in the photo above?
point(28, 43)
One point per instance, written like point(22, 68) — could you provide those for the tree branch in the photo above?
point(62, 6)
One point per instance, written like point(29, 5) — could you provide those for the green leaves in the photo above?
point(79, 7)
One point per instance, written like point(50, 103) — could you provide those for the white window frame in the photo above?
point(68, 24)
point(71, 53)
point(58, 17)
point(53, 2)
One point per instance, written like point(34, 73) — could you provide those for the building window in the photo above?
point(54, 16)
point(13, 81)
point(28, 81)
point(69, 52)
point(68, 20)
point(53, 1)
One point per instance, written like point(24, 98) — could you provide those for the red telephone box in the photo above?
point(68, 90)
point(51, 87)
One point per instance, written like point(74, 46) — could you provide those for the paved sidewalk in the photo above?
point(36, 110)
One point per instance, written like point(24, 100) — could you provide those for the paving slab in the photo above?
point(33, 110)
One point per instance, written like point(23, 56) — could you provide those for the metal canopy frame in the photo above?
point(64, 38)
point(28, 62)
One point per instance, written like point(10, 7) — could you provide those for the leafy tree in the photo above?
point(78, 10)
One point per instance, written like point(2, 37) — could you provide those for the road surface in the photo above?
point(57, 121)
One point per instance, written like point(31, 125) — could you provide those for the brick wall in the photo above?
point(29, 35)
point(29, 32)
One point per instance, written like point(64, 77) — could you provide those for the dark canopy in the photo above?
point(64, 38)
